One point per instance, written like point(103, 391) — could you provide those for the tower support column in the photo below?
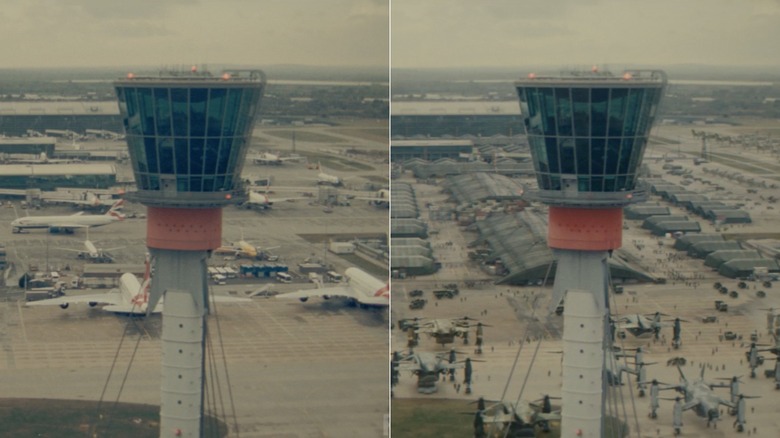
point(183, 339)
point(582, 276)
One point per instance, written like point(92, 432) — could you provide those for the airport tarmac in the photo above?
point(517, 313)
point(296, 370)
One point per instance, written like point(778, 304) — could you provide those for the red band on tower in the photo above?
point(184, 229)
point(585, 229)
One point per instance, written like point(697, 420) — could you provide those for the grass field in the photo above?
point(445, 418)
point(411, 418)
point(77, 418)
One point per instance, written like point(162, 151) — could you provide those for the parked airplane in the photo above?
point(326, 179)
point(68, 224)
point(93, 253)
point(264, 202)
point(270, 159)
point(380, 199)
point(360, 287)
point(242, 248)
point(130, 298)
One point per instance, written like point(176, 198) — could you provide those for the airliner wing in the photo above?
point(111, 298)
point(337, 291)
point(67, 225)
point(229, 299)
point(326, 292)
point(131, 309)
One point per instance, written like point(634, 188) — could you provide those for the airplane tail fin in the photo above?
point(113, 210)
point(383, 292)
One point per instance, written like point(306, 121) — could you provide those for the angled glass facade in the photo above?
point(188, 135)
point(592, 130)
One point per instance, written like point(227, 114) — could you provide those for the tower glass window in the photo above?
point(188, 132)
point(592, 129)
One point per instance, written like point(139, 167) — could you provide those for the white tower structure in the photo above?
point(587, 133)
point(187, 134)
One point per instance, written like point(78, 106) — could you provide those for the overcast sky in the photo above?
point(57, 33)
point(452, 33)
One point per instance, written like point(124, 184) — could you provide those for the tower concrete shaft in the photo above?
point(582, 276)
point(183, 339)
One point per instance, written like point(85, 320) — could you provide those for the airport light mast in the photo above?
point(587, 134)
point(187, 134)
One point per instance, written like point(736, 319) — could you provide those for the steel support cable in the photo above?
point(127, 373)
point(608, 336)
point(108, 378)
point(520, 349)
point(214, 388)
point(615, 399)
point(224, 364)
point(525, 380)
point(93, 429)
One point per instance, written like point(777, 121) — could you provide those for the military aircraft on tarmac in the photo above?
point(446, 330)
point(753, 357)
point(68, 224)
point(515, 420)
point(774, 373)
point(640, 326)
point(360, 287)
point(428, 367)
point(699, 396)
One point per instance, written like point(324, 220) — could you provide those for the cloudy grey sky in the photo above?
point(57, 33)
point(452, 33)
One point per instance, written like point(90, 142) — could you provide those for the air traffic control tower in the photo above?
point(188, 134)
point(587, 133)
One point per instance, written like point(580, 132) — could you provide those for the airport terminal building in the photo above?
point(456, 118)
point(16, 118)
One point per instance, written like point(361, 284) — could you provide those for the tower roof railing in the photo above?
point(194, 75)
point(629, 77)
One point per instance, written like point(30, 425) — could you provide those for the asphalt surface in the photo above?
point(519, 313)
point(295, 369)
